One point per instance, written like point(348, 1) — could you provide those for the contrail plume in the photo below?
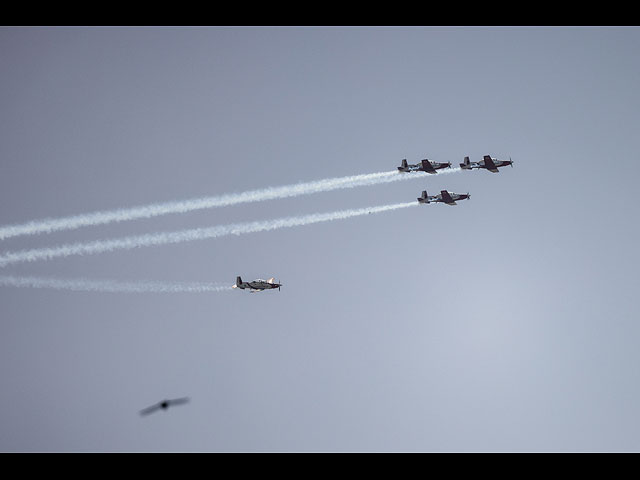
point(110, 286)
point(49, 225)
point(164, 238)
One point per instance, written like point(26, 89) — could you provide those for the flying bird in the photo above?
point(164, 404)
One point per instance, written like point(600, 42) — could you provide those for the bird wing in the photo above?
point(151, 409)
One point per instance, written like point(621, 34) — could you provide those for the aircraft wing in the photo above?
point(488, 162)
point(427, 167)
point(446, 197)
point(179, 401)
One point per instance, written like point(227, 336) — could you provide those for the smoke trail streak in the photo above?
point(163, 238)
point(108, 216)
point(110, 286)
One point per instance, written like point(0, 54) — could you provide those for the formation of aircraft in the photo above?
point(257, 285)
point(424, 166)
point(449, 198)
point(487, 163)
point(443, 197)
point(164, 405)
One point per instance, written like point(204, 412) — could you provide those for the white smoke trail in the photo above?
point(111, 286)
point(99, 218)
point(163, 238)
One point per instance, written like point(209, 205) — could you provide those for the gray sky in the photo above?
point(506, 323)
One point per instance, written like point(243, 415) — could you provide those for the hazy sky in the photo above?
point(506, 323)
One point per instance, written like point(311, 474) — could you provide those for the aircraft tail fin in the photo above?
point(466, 164)
point(424, 198)
point(238, 281)
point(404, 163)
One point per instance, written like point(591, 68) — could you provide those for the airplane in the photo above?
point(487, 162)
point(257, 285)
point(164, 404)
point(424, 166)
point(444, 197)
